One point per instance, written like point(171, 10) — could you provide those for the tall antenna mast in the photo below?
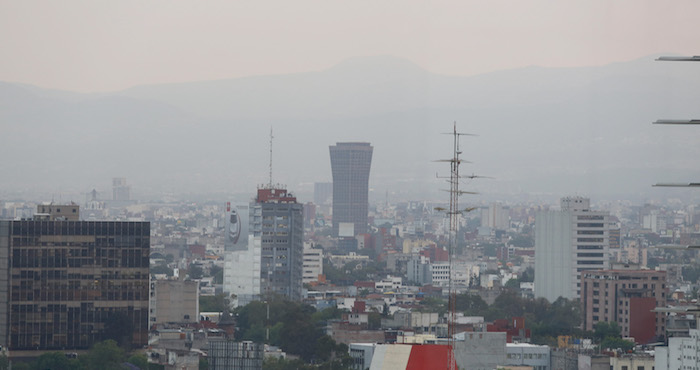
point(454, 212)
point(271, 137)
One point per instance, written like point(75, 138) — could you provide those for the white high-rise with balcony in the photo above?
point(569, 241)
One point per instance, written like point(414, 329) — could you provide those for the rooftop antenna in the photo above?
point(271, 137)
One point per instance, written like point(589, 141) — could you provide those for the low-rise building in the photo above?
point(224, 355)
point(524, 354)
point(626, 297)
point(637, 361)
point(361, 354)
point(480, 351)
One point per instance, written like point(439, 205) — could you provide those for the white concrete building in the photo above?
point(495, 217)
point(440, 273)
point(567, 242)
point(392, 283)
point(361, 354)
point(242, 273)
point(312, 264)
point(525, 354)
point(681, 353)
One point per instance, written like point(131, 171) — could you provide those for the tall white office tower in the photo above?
point(242, 256)
point(567, 242)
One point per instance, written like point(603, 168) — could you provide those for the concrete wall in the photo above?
point(481, 351)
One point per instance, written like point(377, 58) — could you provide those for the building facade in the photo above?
point(495, 216)
point(58, 212)
point(567, 242)
point(120, 190)
point(313, 264)
point(67, 284)
point(225, 355)
point(165, 292)
point(242, 273)
point(525, 354)
point(627, 298)
point(281, 232)
point(350, 165)
point(681, 352)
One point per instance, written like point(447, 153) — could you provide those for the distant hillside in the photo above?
point(551, 130)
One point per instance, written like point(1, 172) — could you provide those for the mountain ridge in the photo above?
point(212, 136)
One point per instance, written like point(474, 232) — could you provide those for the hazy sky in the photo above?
point(101, 45)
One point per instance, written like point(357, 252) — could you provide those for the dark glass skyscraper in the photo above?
point(350, 164)
point(66, 285)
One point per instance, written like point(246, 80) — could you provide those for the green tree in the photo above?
point(21, 366)
point(430, 304)
point(140, 360)
point(104, 355)
point(299, 334)
point(329, 313)
point(615, 343)
point(691, 273)
point(218, 274)
point(528, 275)
point(513, 284)
point(4, 362)
point(374, 320)
point(470, 304)
point(603, 330)
point(195, 272)
point(216, 303)
point(325, 346)
point(272, 363)
point(53, 361)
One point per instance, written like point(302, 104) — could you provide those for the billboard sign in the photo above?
point(236, 238)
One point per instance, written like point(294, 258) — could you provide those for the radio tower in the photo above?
point(271, 137)
point(454, 212)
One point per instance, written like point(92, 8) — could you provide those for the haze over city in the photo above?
point(180, 97)
point(281, 185)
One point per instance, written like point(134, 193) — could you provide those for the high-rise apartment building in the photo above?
point(65, 284)
point(350, 164)
point(495, 216)
point(120, 190)
point(323, 193)
point(626, 296)
point(567, 242)
point(281, 232)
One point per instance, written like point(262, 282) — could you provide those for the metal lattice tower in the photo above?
point(454, 212)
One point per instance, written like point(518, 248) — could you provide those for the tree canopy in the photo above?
point(296, 328)
point(546, 320)
point(103, 355)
